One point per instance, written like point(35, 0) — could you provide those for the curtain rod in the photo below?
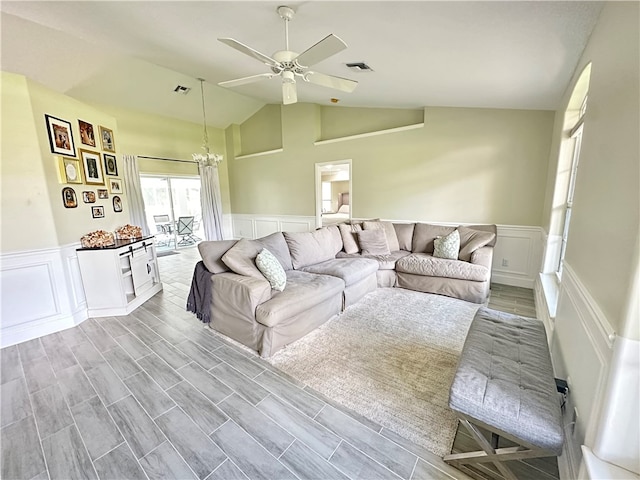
point(168, 159)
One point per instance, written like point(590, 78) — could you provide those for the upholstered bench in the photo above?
point(505, 384)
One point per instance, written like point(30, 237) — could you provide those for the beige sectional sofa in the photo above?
point(326, 271)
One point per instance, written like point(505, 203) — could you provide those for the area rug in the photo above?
point(391, 357)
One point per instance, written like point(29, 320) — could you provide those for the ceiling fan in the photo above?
point(289, 65)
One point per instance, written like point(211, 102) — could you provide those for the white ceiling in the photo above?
point(514, 54)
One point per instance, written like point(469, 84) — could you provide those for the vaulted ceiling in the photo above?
point(518, 54)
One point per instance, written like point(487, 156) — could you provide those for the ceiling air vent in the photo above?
point(359, 67)
point(182, 90)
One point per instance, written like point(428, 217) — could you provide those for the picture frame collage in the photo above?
point(89, 164)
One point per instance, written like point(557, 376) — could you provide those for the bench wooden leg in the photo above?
point(491, 453)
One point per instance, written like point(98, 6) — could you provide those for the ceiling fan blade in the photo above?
point(330, 81)
point(329, 45)
point(289, 93)
point(244, 80)
point(241, 47)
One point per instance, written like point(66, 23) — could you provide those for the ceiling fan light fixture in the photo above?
point(288, 64)
point(288, 77)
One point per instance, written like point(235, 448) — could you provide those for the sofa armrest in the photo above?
point(483, 256)
point(239, 293)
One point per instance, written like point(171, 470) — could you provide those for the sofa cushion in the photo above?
point(349, 239)
point(385, 262)
point(351, 270)
point(308, 248)
point(424, 234)
point(304, 290)
point(430, 266)
point(277, 245)
point(471, 240)
point(373, 242)
point(241, 258)
point(447, 246)
point(389, 232)
point(404, 232)
point(212, 252)
point(272, 270)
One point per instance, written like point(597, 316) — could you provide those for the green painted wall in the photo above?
point(27, 217)
point(262, 131)
point(465, 165)
point(158, 136)
point(33, 214)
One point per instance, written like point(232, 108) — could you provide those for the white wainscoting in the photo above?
point(520, 246)
point(582, 348)
point(517, 255)
point(257, 226)
point(41, 293)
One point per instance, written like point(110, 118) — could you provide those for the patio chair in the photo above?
point(185, 230)
point(164, 230)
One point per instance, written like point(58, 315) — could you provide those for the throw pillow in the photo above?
point(373, 242)
point(471, 240)
point(389, 231)
point(272, 270)
point(241, 258)
point(447, 247)
point(348, 234)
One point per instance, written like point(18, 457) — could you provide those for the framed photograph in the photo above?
point(89, 197)
point(97, 212)
point(87, 137)
point(106, 137)
point(69, 199)
point(110, 165)
point(60, 136)
point(69, 170)
point(115, 185)
point(117, 204)
point(103, 193)
point(92, 167)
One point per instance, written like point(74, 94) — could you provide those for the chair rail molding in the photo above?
point(41, 292)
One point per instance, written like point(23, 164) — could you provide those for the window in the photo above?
point(576, 137)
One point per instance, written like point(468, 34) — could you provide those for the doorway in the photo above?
point(172, 207)
point(333, 192)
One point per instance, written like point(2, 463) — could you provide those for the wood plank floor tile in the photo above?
point(165, 463)
point(200, 453)
point(138, 429)
point(20, 449)
point(149, 394)
point(202, 411)
point(75, 385)
point(14, 402)
point(66, 455)
point(96, 427)
point(248, 455)
point(51, 411)
point(119, 464)
point(209, 385)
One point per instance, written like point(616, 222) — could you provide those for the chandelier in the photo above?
point(206, 158)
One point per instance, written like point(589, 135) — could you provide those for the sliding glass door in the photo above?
point(172, 205)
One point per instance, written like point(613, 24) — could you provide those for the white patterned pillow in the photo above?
point(447, 247)
point(271, 268)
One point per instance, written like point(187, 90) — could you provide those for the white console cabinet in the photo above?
point(119, 278)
